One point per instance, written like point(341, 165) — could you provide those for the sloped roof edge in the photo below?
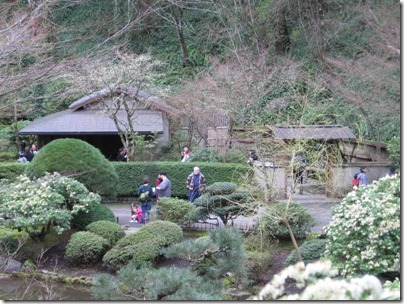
point(158, 103)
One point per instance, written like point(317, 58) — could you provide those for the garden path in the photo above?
point(319, 206)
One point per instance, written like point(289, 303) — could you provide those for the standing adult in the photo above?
point(122, 155)
point(164, 188)
point(196, 182)
point(186, 155)
point(363, 176)
point(158, 182)
point(145, 200)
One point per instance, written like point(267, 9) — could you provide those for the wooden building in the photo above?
point(87, 119)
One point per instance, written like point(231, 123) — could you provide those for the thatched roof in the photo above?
point(319, 132)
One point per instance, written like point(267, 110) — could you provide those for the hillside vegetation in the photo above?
point(266, 62)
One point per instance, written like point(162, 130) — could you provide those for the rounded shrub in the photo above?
point(258, 264)
point(77, 158)
point(310, 251)
point(171, 232)
point(364, 233)
point(137, 247)
point(110, 231)
point(298, 218)
point(175, 210)
point(95, 212)
point(85, 248)
point(221, 188)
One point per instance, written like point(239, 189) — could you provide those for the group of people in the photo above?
point(196, 182)
point(28, 154)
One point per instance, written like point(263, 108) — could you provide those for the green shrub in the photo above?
point(134, 238)
point(205, 155)
point(85, 248)
point(174, 210)
point(364, 233)
point(95, 212)
point(224, 201)
point(311, 251)
point(233, 156)
point(10, 171)
point(130, 174)
point(171, 232)
point(257, 264)
point(76, 158)
point(8, 156)
point(140, 248)
point(298, 218)
point(110, 231)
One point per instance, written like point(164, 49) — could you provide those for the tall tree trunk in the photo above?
point(179, 28)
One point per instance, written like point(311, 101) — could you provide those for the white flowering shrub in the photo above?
point(318, 283)
point(37, 206)
point(364, 233)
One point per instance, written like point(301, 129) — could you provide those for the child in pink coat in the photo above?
point(136, 213)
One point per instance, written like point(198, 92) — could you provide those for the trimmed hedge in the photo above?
point(112, 232)
point(12, 170)
point(130, 174)
point(144, 245)
point(95, 212)
point(86, 248)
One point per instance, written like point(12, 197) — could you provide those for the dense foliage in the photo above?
point(174, 210)
point(40, 205)
point(311, 251)
point(86, 248)
point(297, 216)
point(213, 256)
point(364, 233)
point(148, 283)
point(94, 212)
point(144, 245)
point(76, 158)
point(11, 170)
point(110, 231)
point(223, 200)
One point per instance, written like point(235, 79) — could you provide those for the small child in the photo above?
point(136, 213)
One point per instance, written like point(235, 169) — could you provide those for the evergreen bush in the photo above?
point(223, 200)
point(10, 171)
point(138, 253)
point(257, 264)
point(95, 212)
point(85, 248)
point(8, 157)
point(171, 232)
point(110, 231)
point(311, 251)
point(144, 245)
point(77, 158)
point(298, 218)
point(174, 210)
